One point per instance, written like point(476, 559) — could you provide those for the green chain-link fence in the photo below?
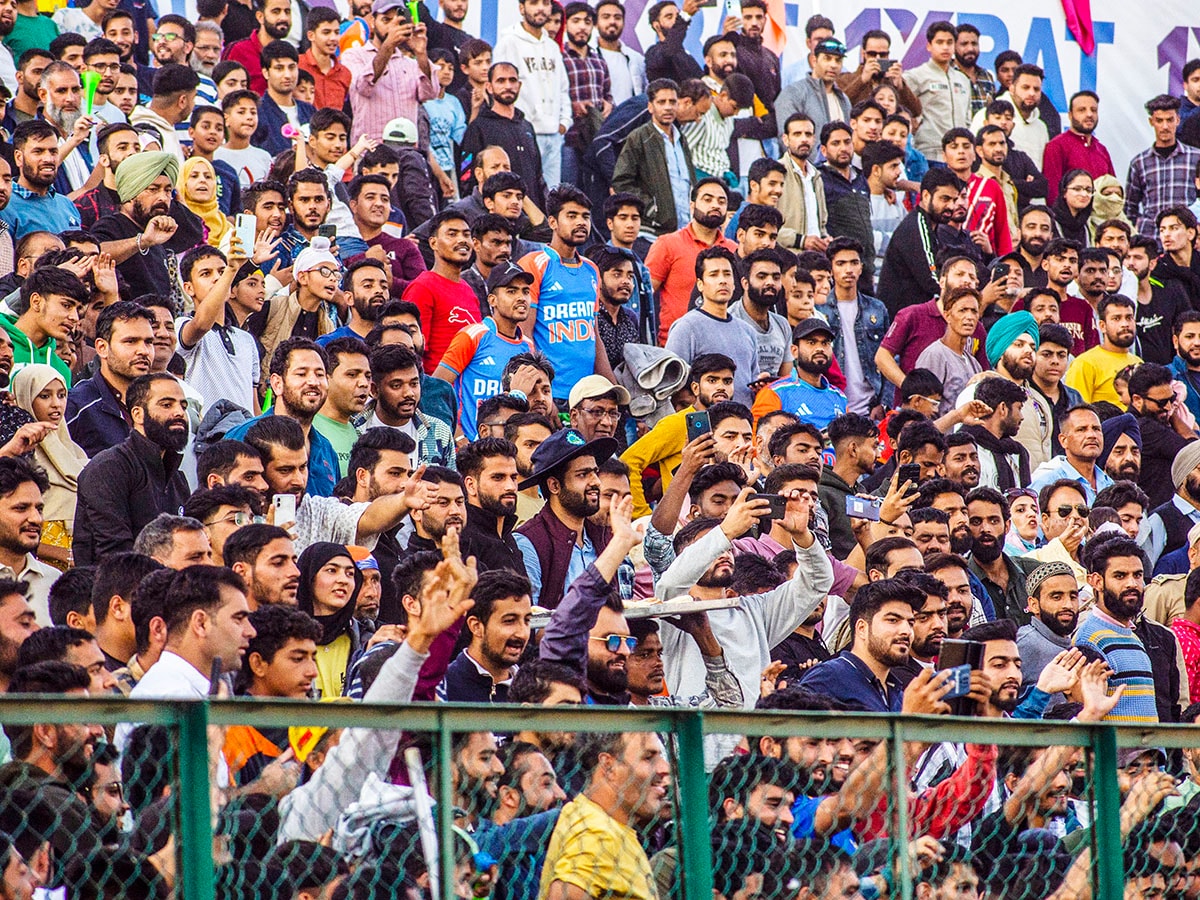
point(756, 805)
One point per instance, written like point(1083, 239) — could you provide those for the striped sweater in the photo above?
point(1126, 656)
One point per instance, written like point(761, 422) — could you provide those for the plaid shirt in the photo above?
point(588, 77)
point(983, 87)
point(1157, 182)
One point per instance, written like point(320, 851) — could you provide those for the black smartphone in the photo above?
point(961, 653)
point(885, 64)
point(910, 472)
point(697, 424)
point(1000, 272)
point(862, 507)
point(778, 504)
point(327, 231)
point(214, 677)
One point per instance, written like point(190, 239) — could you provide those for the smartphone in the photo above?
point(910, 472)
point(1000, 273)
point(245, 229)
point(285, 508)
point(214, 677)
point(885, 64)
point(327, 231)
point(697, 424)
point(863, 507)
point(778, 504)
point(961, 653)
point(961, 679)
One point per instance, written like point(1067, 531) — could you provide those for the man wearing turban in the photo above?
point(139, 236)
point(1011, 344)
point(1121, 457)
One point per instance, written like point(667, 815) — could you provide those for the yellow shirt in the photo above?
point(597, 854)
point(332, 661)
point(1093, 371)
point(662, 444)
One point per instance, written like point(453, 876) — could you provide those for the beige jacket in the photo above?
point(791, 204)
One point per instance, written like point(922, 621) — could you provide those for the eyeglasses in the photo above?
point(165, 36)
point(236, 518)
point(324, 271)
point(932, 401)
point(112, 788)
point(613, 642)
point(1065, 510)
point(598, 414)
point(1081, 189)
point(105, 67)
point(876, 54)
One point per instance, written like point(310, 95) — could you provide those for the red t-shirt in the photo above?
point(446, 308)
point(916, 327)
point(1077, 316)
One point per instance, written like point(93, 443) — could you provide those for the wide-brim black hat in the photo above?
point(562, 447)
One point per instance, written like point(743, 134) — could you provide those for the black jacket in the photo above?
point(849, 206)
point(120, 491)
point(761, 66)
point(517, 137)
point(1164, 664)
point(1186, 277)
point(909, 266)
point(668, 59)
point(95, 417)
point(491, 550)
point(466, 684)
point(1030, 182)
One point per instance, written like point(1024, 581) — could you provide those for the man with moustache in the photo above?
point(910, 263)
point(475, 360)
point(35, 205)
point(264, 556)
point(1167, 527)
point(1054, 613)
point(929, 622)
point(1004, 577)
point(1160, 305)
point(1116, 575)
point(115, 144)
point(807, 389)
point(1186, 364)
point(365, 279)
point(1037, 230)
point(371, 206)
point(501, 125)
point(60, 96)
point(1083, 443)
point(396, 389)
point(1003, 461)
point(498, 625)
point(560, 542)
point(445, 302)
point(1121, 457)
point(126, 486)
point(1152, 401)
point(1093, 371)
point(274, 22)
point(962, 460)
point(489, 470)
point(617, 324)
point(595, 404)
point(1077, 147)
point(762, 283)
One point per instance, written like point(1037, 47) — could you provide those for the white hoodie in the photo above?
point(545, 96)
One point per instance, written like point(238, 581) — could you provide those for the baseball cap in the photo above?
point(831, 47)
point(593, 387)
point(811, 325)
point(382, 6)
point(400, 130)
point(505, 274)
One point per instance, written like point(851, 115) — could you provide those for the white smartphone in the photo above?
point(285, 508)
point(246, 228)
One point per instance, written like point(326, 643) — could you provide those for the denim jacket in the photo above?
point(869, 329)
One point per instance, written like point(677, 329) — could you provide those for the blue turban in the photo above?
point(1006, 330)
point(1113, 429)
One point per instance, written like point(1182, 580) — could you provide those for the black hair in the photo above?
point(277, 50)
point(49, 281)
point(535, 679)
point(1115, 547)
point(275, 431)
point(916, 435)
point(276, 624)
point(1056, 334)
point(495, 585)
point(877, 554)
point(781, 475)
point(368, 449)
point(52, 643)
point(245, 544)
point(408, 574)
point(851, 425)
point(390, 358)
point(919, 382)
point(561, 196)
point(49, 677)
point(715, 474)
point(281, 359)
point(994, 391)
point(171, 80)
point(221, 457)
point(70, 593)
point(1050, 489)
point(985, 494)
point(871, 597)
point(1148, 375)
point(728, 409)
point(501, 181)
point(999, 630)
point(783, 435)
point(758, 215)
point(117, 575)
point(197, 588)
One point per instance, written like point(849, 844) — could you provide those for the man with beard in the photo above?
point(25, 102)
point(445, 302)
point(929, 623)
point(672, 257)
point(123, 488)
point(1083, 443)
point(300, 384)
point(616, 323)
point(371, 206)
point(171, 104)
point(103, 57)
point(96, 413)
point(646, 678)
point(21, 487)
point(807, 388)
point(564, 292)
point(60, 95)
point(1121, 457)
point(115, 144)
point(349, 391)
point(966, 57)
point(499, 631)
point(710, 382)
point(991, 147)
point(502, 127)
point(1054, 613)
point(817, 95)
point(626, 67)
point(962, 460)
point(489, 470)
point(1077, 147)
point(907, 276)
point(274, 22)
point(1092, 372)
point(1152, 399)
point(1029, 133)
point(1060, 264)
point(50, 762)
point(447, 511)
point(1160, 305)
point(526, 432)
point(1186, 364)
point(855, 441)
point(396, 389)
point(1004, 462)
point(1037, 231)
point(492, 239)
point(803, 200)
point(149, 229)
point(566, 468)
point(962, 609)
point(475, 360)
point(867, 673)
point(761, 284)
point(1117, 577)
point(365, 280)
point(35, 205)
point(709, 328)
point(847, 193)
point(1003, 577)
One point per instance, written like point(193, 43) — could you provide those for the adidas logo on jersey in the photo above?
point(488, 361)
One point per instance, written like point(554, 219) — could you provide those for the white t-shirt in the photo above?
point(858, 392)
point(252, 164)
point(215, 372)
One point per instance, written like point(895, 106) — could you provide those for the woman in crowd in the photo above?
point(197, 188)
point(328, 591)
point(1023, 531)
point(1073, 207)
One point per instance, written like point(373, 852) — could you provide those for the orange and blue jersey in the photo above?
point(477, 356)
point(564, 297)
point(816, 405)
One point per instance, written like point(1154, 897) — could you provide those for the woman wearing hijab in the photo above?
point(40, 391)
point(329, 586)
point(1107, 203)
point(1073, 207)
point(197, 187)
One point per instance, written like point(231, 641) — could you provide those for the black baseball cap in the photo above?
point(811, 325)
point(506, 273)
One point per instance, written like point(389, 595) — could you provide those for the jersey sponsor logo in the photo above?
point(488, 361)
point(485, 387)
point(571, 332)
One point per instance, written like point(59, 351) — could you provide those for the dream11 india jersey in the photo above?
point(477, 356)
point(564, 297)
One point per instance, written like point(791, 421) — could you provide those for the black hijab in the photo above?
point(310, 562)
point(1072, 225)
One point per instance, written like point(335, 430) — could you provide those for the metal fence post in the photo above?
point(1108, 869)
point(898, 774)
point(195, 808)
point(693, 831)
point(445, 809)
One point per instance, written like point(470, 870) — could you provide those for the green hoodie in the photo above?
point(24, 353)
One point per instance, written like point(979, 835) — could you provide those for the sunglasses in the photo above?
point(1080, 510)
point(1161, 403)
point(613, 642)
